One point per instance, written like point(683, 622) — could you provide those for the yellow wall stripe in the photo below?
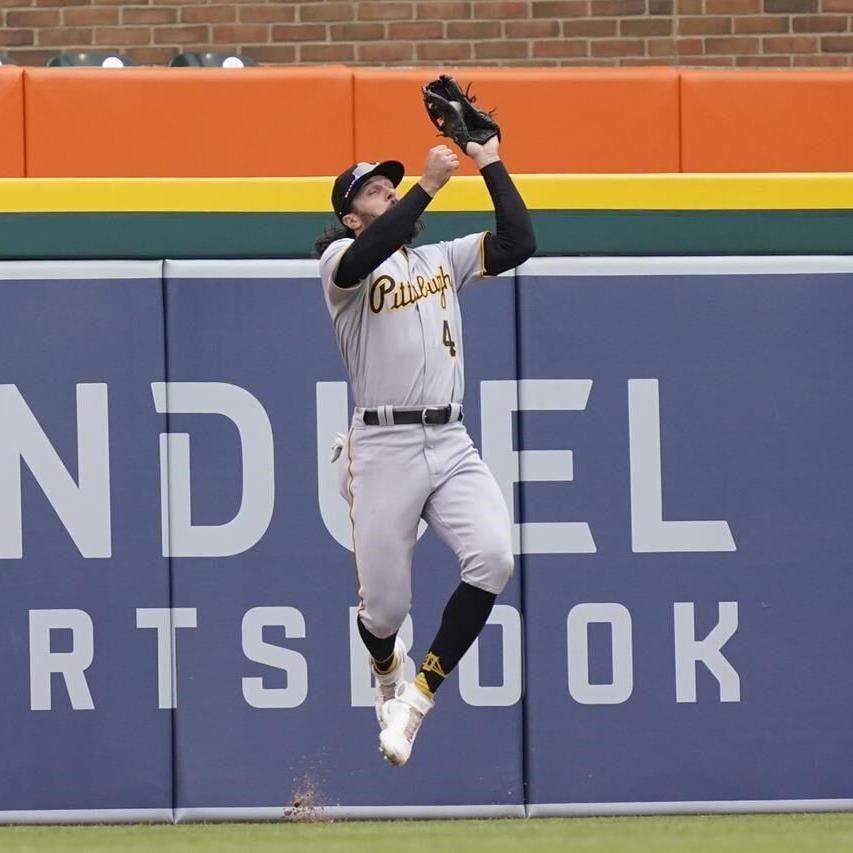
point(541, 192)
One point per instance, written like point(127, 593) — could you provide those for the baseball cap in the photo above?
point(351, 180)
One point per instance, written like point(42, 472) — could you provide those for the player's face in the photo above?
point(372, 200)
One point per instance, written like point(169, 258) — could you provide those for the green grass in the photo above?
point(799, 833)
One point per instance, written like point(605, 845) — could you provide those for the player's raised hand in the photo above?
point(483, 155)
point(440, 164)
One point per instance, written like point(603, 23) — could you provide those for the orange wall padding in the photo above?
point(553, 119)
point(767, 121)
point(11, 123)
point(316, 120)
point(185, 122)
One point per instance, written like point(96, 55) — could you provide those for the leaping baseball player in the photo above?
point(407, 455)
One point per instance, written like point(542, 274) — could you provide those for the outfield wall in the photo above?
point(671, 435)
point(183, 122)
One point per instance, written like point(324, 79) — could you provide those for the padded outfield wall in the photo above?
point(670, 434)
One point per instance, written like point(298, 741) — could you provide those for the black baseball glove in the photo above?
point(453, 112)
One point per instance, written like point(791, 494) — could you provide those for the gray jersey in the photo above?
point(399, 329)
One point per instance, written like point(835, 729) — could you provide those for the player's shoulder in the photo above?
point(330, 258)
point(335, 247)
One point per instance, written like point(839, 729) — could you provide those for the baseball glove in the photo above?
point(453, 112)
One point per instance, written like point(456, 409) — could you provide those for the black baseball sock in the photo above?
point(381, 650)
point(464, 617)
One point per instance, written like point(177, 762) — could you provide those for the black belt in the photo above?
point(439, 415)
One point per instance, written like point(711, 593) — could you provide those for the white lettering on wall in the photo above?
point(166, 621)
point(332, 418)
point(689, 651)
point(580, 617)
point(288, 661)
point(181, 538)
point(649, 532)
point(83, 507)
point(71, 665)
point(498, 401)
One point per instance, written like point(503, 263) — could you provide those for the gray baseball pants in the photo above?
point(392, 476)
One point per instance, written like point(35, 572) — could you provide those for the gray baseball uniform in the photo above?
point(399, 331)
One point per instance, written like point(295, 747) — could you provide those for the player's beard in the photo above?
point(369, 218)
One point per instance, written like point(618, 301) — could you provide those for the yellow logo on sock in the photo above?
point(433, 664)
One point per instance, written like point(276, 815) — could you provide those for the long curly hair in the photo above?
point(329, 235)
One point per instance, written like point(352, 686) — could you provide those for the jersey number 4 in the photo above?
point(447, 339)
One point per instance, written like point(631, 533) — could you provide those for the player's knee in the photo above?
point(389, 622)
point(492, 570)
point(383, 617)
point(501, 565)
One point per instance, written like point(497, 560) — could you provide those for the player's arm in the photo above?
point(513, 241)
point(391, 230)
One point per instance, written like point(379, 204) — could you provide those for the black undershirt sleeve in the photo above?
point(513, 241)
point(378, 242)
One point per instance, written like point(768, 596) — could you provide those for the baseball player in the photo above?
point(407, 455)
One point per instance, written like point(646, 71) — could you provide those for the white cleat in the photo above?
point(388, 682)
point(402, 717)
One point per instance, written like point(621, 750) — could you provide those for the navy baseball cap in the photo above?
point(350, 181)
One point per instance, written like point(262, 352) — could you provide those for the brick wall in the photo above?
point(691, 33)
